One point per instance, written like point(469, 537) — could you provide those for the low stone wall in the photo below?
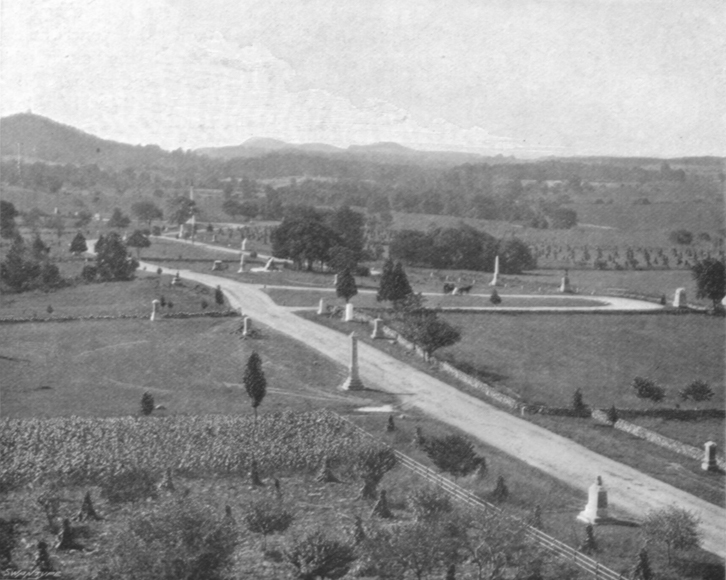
point(677, 414)
point(213, 314)
point(666, 442)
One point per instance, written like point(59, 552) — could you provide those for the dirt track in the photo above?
point(629, 490)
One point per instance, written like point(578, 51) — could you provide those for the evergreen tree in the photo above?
point(112, 260)
point(118, 219)
point(147, 404)
point(710, 277)
point(78, 245)
point(400, 287)
point(7, 219)
point(39, 249)
point(346, 287)
point(254, 381)
point(385, 285)
point(17, 271)
point(219, 296)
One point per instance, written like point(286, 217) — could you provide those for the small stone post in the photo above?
point(241, 264)
point(353, 382)
point(335, 280)
point(154, 309)
point(377, 330)
point(348, 313)
point(176, 279)
point(244, 245)
point(709, 457)
point(321, 307)
point(679, 299)
point(246, 326)
point(596, 510)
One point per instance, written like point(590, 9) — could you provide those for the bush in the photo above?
point(147, 404)
point(89, 273)
point(361, 270)
point(675, 527)
point(683, 237)
point(315, 556)
point(453, 454)
point(495, 298)
point(266, 517)
point(128, 486)
point(180, 539)
point(612, 415)
point(647, 389)
point(578, 404)
point(429, 503)
point(697, 391)
point(372, 464)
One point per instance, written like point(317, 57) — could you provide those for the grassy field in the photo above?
point(652, 459)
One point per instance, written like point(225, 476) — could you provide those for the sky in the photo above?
point(517, 77)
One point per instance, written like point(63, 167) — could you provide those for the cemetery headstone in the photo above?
point(378, 329)
point(353, 382)
point(709, 457)
point(321, 307)
point(348, 313)
point(596, 510)
point(679, 299)
point(155, 304)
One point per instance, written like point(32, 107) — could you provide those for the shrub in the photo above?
point(683, 237)
point(180, 539)
point(89, 273)
point(219, 296)
point(698, 391)
point(128, 486)
point(495, 298)
point(266, 517)
point(612, 415)
point(578, 404)
point(315, 556)
point(147, 404)
point(453, 454)
point(647, 389)
point(429, 503)
point(372, 464)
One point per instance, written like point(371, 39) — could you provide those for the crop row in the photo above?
point(88, 450)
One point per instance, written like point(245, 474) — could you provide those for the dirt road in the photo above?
point(629, 490)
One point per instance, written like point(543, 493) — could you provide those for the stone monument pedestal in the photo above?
point(321, 307)
point(495, 279)
point(679, 299)
point(348, 313)
point(155, 309)
point(709, 457)
point(377, 330)
point(596, 510)
point(353, 382)
point(565, 287)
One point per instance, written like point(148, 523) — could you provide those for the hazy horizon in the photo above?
point(528, 78)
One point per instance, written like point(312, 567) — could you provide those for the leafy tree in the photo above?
point(642, 570)
point(647, 389)
point(112, 260)
point(304, 238)
point(118, 219)
point(515, 257)
point(372, 464)
point(254, 381)
point(429, 503)
point(429, 331)
point(180, 539)
point(146, 211)
point(348, 224)
point(346, 287)
point(138, 240)
point(698, 391)
point(342, 258)
point(315, 556)
point(266, 517)
point(562, 218)
point(453, 454)
point(8, 213)
point(674, 527)
point(181, 208)
point(710, 277)
point(78, 244)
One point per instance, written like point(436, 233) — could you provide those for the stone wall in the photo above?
point(643, 433)
point(212, 314)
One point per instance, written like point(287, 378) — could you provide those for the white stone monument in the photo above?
point(348, 313)
point(176, 279)
point(335, 280)
point(596, 510)
point(217, 265)
point(244, 245)
point(679, 299)
point(321, 307)
point(353, 382)
point(246, 326)
point(565, 287)
point(377, 330)
point(495, 279)
point(709, 457)
point(241, 264)
point(154, 309)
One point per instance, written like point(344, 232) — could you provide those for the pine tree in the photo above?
point(78, 245)
point(254, 381)
point(219, 296)
point(147, 404)
point(112, 260)
point(400, 286)
point(385, 285)
point(346, 287)
point(138, 240)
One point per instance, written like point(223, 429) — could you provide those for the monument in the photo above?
point(709, 457)
point(348, 313)
point(679, 299)
point(596, 510)
point(154, 309)
point(495, 279)
point(353, 382)
point(377, 330)
point(241, 264)
point(565, 287)
point(321, 307)
point(246, 326)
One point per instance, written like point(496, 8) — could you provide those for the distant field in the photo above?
point(101, 368)
point(544, 358)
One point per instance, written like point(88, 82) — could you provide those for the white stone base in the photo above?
point(352, 383)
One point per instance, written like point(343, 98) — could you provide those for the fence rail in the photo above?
point(560, 549)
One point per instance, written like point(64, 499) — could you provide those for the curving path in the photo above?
point(629, 490)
